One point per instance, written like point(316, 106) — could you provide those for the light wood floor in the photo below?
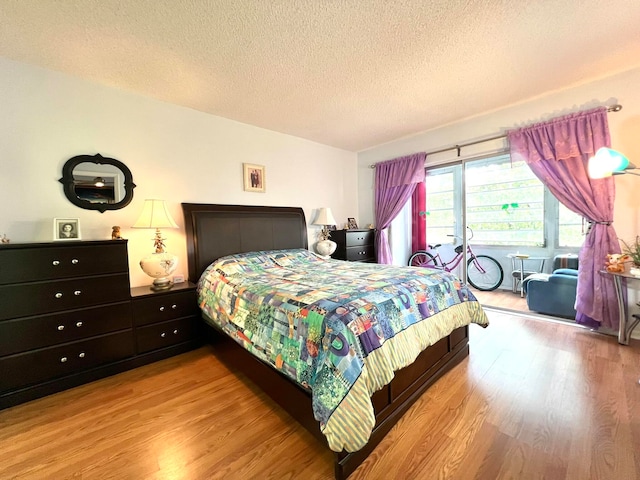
point(507, 301)
point(502, 299)
point(534, 400)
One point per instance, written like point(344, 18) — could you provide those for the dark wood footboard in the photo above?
point(389, 403)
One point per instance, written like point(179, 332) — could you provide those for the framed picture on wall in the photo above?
point(254, 177)
point(66, 229)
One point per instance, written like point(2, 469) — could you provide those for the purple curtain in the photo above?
point(558, 152)
point(395, 181)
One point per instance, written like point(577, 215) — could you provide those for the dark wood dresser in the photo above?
point(66, 317)
point(354, 245)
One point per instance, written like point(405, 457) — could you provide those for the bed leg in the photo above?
point(338, 469)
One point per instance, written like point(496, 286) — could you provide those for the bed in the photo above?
point(342, 390)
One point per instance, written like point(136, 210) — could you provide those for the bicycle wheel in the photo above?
point(484, 273)
point(423, 259)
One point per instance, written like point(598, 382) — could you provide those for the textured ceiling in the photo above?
point(347, 73)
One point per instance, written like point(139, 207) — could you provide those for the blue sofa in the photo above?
point(552, 294)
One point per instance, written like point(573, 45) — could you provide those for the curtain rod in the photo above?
point(613, 108)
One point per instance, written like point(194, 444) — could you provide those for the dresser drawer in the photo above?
point(37, 263)
point(42, 331)
point(360, 254)
point(48, 363)
point(42, 297)
point(165, 334)
point(355, 238)
point(158, 308)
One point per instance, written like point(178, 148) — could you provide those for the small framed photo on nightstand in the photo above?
point(66, 229)
point(353, 225)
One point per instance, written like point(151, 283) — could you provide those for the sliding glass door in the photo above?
point(445, 218)
point(499, 207)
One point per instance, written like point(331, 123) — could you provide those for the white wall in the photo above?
point(624, 127)
point(174, 153)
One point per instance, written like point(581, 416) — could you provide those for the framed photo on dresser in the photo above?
point(66, 229)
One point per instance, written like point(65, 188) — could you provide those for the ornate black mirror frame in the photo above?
point(69, 182)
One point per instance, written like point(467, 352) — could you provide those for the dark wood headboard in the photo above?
point(214, 231)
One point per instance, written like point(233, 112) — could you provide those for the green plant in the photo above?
point(632, 249)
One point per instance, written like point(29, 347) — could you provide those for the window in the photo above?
point(570, 228)
point(441, 190)
point(505, 202)
point(506, 205)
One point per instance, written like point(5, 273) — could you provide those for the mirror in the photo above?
point(97, 182)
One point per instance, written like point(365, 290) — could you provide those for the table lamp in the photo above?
point(325, 218)
point(160, 264)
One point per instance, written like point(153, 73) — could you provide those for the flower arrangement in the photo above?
point(633, 250)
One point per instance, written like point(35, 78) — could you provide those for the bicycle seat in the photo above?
point(432, 247)
point(459, 249)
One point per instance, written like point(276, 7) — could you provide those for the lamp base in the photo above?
point(160, 266)
point(163, 283)
point(326, 247)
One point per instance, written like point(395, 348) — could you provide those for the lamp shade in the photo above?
point(324, 217)
point(155, 215)
point(607, 162)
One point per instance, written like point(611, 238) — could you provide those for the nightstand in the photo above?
point(354, 245)
point(165, 320)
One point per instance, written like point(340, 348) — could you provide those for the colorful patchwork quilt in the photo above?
point(339, 329)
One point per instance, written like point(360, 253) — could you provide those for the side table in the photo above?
point(165, 321)
point(354, 245)
point(518, 275)
point(627, 322)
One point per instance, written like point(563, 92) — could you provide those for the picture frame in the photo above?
point(353, 225)
point(254, 177)
point(66, 229)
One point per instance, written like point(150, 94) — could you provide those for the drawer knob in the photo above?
point(81, 355)
point(60, 327)
point(163, 334)
point(75, 261)
point(77, 292)
point(58, 295)
point(79, 324)
point(175, 332)
point(162, 308)
point(63, 359)
point(174, 306)
point(56, 263)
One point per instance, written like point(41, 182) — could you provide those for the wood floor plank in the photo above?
point(534, 400)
